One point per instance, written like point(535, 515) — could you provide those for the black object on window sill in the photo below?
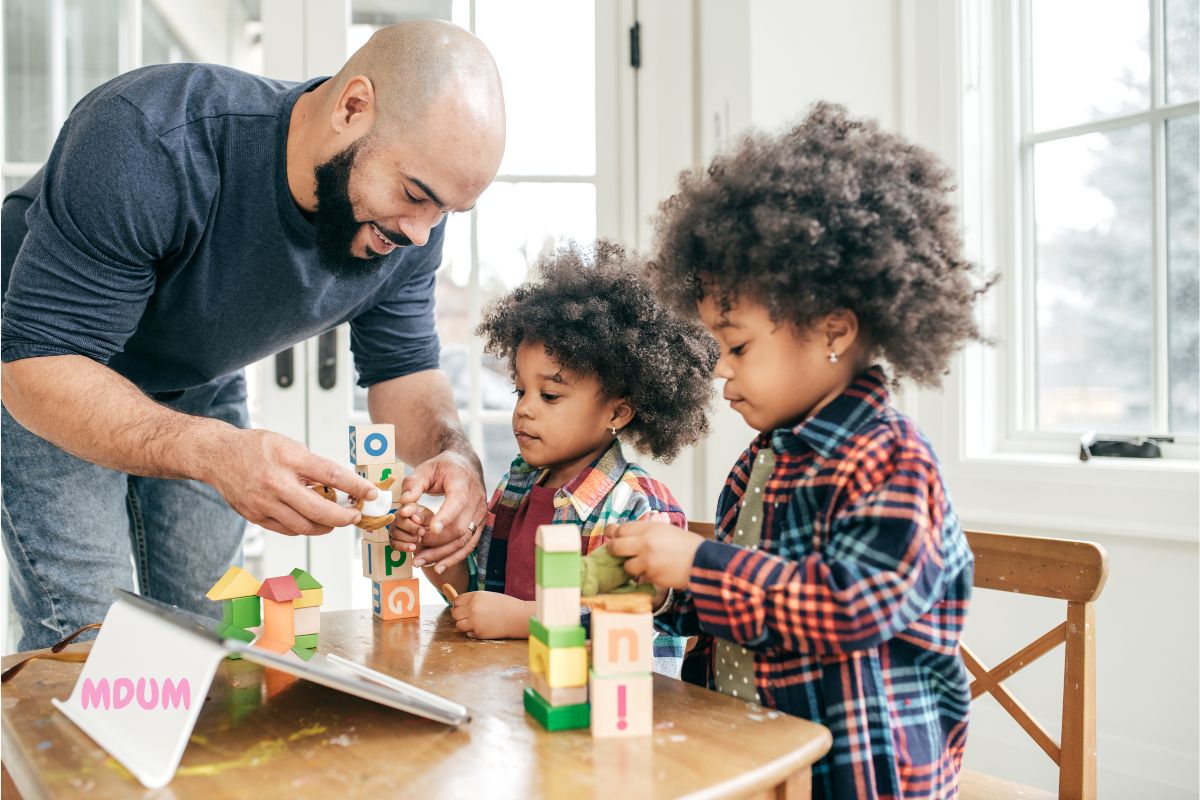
point(1092, 444)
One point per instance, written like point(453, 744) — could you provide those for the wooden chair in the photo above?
point(1066, 570)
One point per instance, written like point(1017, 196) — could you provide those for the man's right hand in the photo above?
point(264, 477)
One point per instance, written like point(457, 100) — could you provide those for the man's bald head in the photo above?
point(419, 65)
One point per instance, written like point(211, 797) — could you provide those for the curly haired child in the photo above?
point(838, 583)
point(595, 359)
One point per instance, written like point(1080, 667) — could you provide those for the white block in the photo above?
point(558, 538)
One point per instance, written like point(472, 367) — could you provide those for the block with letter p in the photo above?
point(381, 562)
point(372, 444)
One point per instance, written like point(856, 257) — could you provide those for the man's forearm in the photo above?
point(421, 406)
point(90, 411)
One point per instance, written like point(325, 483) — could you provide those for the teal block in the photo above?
point(557, 570)
point(557, 635)
point(241, 612)
point(556, 718)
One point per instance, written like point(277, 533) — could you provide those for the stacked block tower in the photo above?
point(395, 593)
point(280, 614)
point(557, 696)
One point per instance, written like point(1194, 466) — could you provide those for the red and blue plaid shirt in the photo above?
point(854, 603)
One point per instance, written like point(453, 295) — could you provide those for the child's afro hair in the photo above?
point(833, 214)
point(595, 315)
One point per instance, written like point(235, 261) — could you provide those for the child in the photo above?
point(594, 357)
point(839, 580)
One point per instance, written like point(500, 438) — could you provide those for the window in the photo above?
point(545, 192)
point(1108, 282)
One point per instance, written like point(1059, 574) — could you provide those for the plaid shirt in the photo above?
point(854, 603)
point(592, 500)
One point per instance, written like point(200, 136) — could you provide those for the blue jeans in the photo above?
point(73, 531)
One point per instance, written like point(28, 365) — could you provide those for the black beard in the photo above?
point(334, 219)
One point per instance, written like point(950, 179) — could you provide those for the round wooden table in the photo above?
point(264, 734)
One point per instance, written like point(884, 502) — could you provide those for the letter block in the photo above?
point(621, 643)
point(377, 473)
point(622, 705)
point(561, 666)
point(555, 718)
point(557, 570)
point(381, 563)
point(557, 606)
point(396, 599)
point(372, 444)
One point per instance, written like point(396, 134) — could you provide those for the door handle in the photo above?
point(285, 368)
point(327, 359)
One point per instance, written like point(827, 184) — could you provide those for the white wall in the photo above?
point(762, 62)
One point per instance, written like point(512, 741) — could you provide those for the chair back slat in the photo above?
point(706, 529)
point(1058, 568)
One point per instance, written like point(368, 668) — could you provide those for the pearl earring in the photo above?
point(614, 430)
point(833, 358)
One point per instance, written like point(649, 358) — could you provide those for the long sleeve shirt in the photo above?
point(852, 605)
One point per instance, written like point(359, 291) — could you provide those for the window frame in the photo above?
point(1011, 102)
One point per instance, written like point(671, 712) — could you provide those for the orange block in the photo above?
point(396, 599)
point(279, 626)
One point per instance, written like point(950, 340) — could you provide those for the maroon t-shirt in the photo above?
point(519, 571)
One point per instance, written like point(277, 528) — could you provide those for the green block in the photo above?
point(557, 570)
point(241, 612)
point(304, 580)
point(557, 635)
point(307, 641)
point(234, 632)
point(556, 718)
point(305, 653)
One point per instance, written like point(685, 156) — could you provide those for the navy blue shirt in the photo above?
point(163, 241)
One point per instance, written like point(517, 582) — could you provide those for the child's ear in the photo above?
point(840, 330)
point(622, 414)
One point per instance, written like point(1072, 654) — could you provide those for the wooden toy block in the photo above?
point(236, 582)
point(279, 589)
point(622, 705)
point(380, 562)
point(557, 606)
point(557, 570)
point(621, 643)
point(377, 536)
point(310, 597)
point(627, 602)
point(306, 621)
point(304, 653)
point(558, 696)
point(279, 622)
point(562, 666)
point(396, 599)
point(241, 612)
point(234, 632)
point(307, 641)
point(304, 580)
point(555, 718)
point(377, 473)
point(372, 444)
point(558, 538)
point(558, 635)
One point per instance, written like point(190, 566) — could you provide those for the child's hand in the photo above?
point(409, 526)
point(492, 615)
point(658, 553)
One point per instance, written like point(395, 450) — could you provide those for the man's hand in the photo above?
point(658, 553)
point(263, 475)
point(492, 615)
point(448, 537)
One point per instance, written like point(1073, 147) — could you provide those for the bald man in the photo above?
point(192, 219)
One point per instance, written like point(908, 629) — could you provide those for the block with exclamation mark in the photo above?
point(622, 705)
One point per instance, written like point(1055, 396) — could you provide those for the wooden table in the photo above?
point(264, 734)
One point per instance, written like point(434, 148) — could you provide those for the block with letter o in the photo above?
point(372, 444)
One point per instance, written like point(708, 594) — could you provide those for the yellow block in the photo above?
point(309, 597)
point(236, 582)
point(562, 667)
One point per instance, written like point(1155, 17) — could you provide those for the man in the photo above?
point(190, 220)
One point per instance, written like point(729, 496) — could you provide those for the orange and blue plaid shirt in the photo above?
point(853, 604)
point(592, 500)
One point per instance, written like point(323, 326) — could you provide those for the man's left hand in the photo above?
point(448, 538)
